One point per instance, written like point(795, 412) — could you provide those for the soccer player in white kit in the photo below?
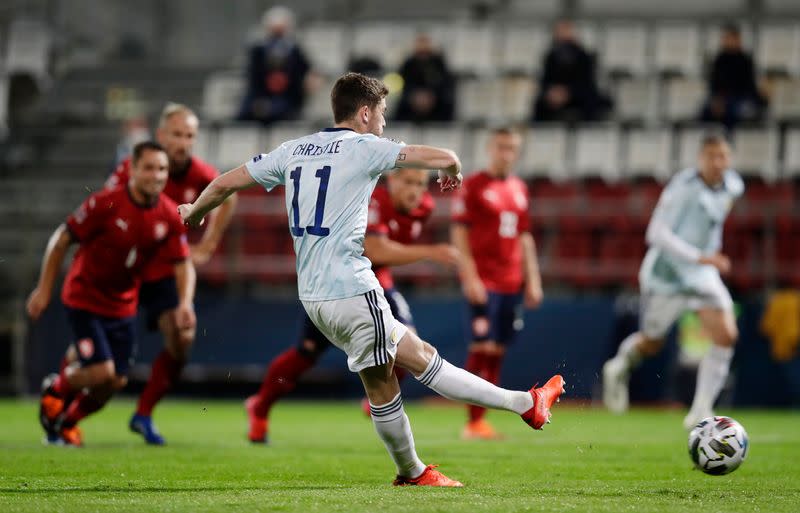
point(681, 272)
point(329, 178)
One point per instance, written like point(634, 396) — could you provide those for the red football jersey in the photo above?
point(496, 212)
point(181, 188)
point(118, 240)
point(402, 227)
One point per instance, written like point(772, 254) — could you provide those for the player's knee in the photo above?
point(120, 382)
point(183, 342)
point(727, 336)
point(103, 375)
point(71, 355)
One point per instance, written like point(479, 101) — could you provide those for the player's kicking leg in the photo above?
point(658, 313)
point(281, 378)
point(712, 373)
point(103, 349)
point(159, 298)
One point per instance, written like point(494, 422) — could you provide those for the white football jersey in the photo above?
point(329, 178)
point(696, 213)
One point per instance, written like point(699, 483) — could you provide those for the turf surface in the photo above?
point(325, 457)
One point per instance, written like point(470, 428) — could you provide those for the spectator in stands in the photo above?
point(276, 72)
point(733, 93)
point(428, 87)
point(568, 89)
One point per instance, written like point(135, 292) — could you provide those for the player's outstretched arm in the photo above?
point(54, 254)
point(218, 222)
point(661, 236)
point(471, 282)
point(429, 157)
point(185, 281)
point(533, 279)
point(381, 250)
point(213, 195)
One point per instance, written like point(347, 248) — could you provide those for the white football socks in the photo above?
point(711, 376)
point(628, 354)
point(457, 384)
point(391, 423)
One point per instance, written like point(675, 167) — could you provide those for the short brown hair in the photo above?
point(144, 146)
point(712, 139)
point(504, 130)
point(352, 91)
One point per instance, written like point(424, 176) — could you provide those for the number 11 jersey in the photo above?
point(329, 178)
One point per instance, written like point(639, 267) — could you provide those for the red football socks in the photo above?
point(81, 407)
point(166, 371)
point(281, 378)
point(61, 385)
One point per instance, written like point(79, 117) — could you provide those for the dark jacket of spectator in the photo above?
point(568, 89)
point(428, 87)
point(733, 92)
point(276, 73)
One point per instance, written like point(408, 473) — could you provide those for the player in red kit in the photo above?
point(120, 232)
point(499, 269)
point(188, 176)
point(397, 213)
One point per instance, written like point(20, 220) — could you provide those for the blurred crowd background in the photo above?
point(612, 97)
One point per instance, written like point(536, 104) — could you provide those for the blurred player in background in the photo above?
point(188, 176)
point(330, 176)
point(681, 272)
point(120, 232)
point(397, 213)
point(499, 268)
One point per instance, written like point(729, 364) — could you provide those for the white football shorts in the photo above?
point(362, 326)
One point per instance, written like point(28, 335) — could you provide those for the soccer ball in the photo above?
point(718, 445)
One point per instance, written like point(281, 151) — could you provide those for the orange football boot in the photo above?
point(258, 426)
point(543, 399)
point(72, 436)
point(429, 477)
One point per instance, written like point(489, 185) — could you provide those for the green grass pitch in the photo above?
point(325, 457)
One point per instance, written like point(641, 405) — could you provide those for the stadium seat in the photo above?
point(237, 144)
point(443, 136)
point(475, 151)
point(624, 49)
point(472, 50)
point(325, 45)
point(597, 153)
point(515, 101)
point(636, 100)
point(677, 49)
point(785, 101)
point(222, 95)
point(522, 49)
point(544, 153)
point(778, 49)
point(659, 8)
point(521, 9)
point(791, 156)
point(477, 99)
point(3, 106)
point(756, 153)
point(317, 106)
point(403, 132)
point(282, 132)
point(28, 50)
point(684, 99)
point(388, 43)
point(205, 144)
point(648, 153)
point(781, 6)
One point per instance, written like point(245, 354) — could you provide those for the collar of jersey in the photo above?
point(335, 129)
